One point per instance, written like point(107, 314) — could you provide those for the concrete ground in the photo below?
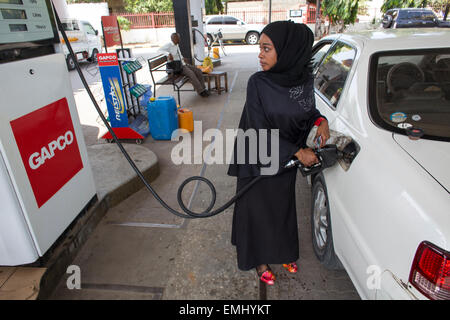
point(141, 251)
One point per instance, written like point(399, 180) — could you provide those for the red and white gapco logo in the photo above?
point(107, 59)
point(47, 152)
point(48, 147)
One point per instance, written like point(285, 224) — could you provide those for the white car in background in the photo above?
point(84, 39)
point(385, 217)
point(232, 29)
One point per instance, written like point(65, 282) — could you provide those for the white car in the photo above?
point(84, 39)
point(385, 218)
point(232, 29)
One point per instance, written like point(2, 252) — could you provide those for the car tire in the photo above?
point(252, 38)
point(93, 57)
point(70, 62)
point(387, 23)
point(321, 231)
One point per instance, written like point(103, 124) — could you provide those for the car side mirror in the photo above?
point(96, 32)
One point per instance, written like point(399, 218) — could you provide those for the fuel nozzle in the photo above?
point(327, 156)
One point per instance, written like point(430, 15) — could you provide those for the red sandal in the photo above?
point(291, 267)
point(267, 276)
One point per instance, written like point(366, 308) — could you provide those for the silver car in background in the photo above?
point(233, 29)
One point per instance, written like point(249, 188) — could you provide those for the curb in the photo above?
point(59, 257)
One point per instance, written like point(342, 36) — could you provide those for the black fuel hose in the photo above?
point(187, 213)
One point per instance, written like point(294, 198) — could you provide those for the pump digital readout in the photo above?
point(24, 20)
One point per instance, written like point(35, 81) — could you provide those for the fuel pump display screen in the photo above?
point(13, 14)
point(26, 21)
point(11, 1)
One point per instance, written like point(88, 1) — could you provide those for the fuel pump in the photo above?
point(45, 176)
point(188, 17)
point(196, 8)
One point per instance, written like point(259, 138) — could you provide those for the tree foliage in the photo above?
point(341, 12)
point(83, 1)
point(144, 6)
point(390, 4)
point(213, 6)
point(124, 23)
point(441, 5)
point(437, 5)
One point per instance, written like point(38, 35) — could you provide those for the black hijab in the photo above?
point(293, 43)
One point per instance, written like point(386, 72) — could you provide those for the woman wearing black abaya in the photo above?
point(280, 97)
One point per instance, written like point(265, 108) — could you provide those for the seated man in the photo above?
point(194, 74)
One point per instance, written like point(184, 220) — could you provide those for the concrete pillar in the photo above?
point(183, 26)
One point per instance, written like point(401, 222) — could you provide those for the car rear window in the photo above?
point(411, 89)
point(70, 26)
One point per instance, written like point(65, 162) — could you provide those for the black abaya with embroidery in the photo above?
point(264, 228)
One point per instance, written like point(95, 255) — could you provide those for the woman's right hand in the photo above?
point(307, 157)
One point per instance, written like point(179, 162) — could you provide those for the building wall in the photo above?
point(91, 12)
point(264, 5)
point(116, 6)
point(153, 37)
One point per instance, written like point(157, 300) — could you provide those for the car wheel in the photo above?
point(322, 237)
point(93, 57)
point(252, 38)
point(70, 62)
point(387, 22)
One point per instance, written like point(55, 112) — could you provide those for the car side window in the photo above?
point(428, 16)
point(318, 54)
point(418, 16)
point(403, 15)
point(333, 72)
point(215, 20)
point(89, 29)
point(230, 20)
point(75, 25)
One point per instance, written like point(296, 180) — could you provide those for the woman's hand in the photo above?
point(324, 132)
point(307, 157)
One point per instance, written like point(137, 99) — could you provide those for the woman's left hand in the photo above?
point(324, 132)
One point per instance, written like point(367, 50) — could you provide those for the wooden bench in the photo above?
point(157, 64)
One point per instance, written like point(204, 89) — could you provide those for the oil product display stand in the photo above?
point(122, 94)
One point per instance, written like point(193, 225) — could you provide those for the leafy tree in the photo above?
point(213, 6)
point(437, 5)
point(341, 12)
point(441, 5)
point(390, 4)
point(84, 1)
point(144, 6)
point(124, 23)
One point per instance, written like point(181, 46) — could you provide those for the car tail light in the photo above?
point(430, 272)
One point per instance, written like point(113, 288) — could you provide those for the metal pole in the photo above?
point(270, 11)
point(317, 26)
